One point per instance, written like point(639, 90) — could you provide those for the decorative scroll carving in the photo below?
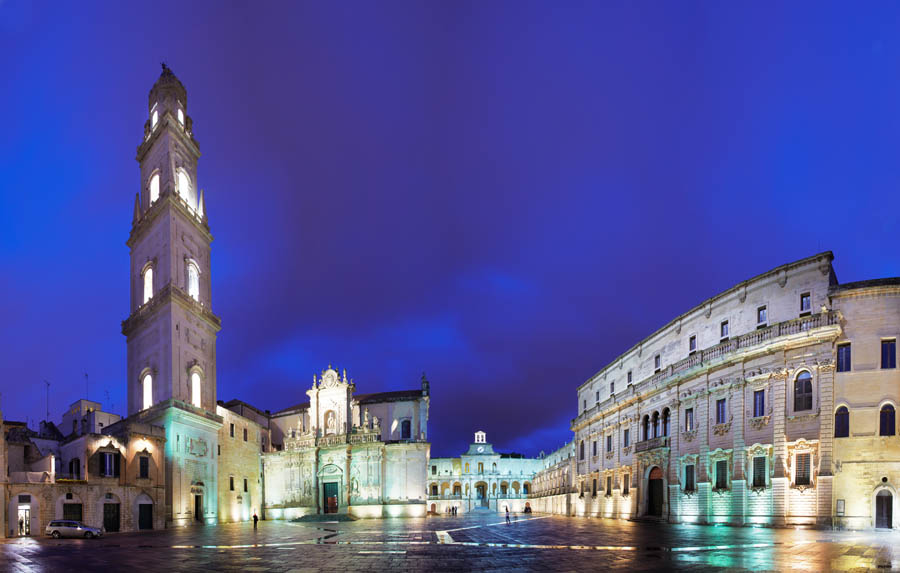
point(721, 429)
point(759, 422)
point(688, 436)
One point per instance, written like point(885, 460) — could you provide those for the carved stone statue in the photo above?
point(329, 423)
point(366, 419)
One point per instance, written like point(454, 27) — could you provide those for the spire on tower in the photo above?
point(137, 208)
point(201, 207)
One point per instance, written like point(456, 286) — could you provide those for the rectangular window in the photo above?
point(626, 438)
point(721, 474)
point(232, 430)
point(219, 449)
point(231, 483)
point(597, 399)
point(805, 304)
point(245, 484)
point(692, 343)
point(434, 470)
point(245, 434)
point(594, 487)
point(625, 484)
point(723, 330)
point(720, 411)
point(802, 475)
point(594, 445)
point(144, 470)
point(689, 477)
point(689, 420)
point(843, 357)
point(609, 443)
point(608, 485)
point(762, 316)
point(888, 353)
point(612, 388)
point(759, 403)
point(585, 405)
point(657, 360)
point(629, 376)
point(759, 471)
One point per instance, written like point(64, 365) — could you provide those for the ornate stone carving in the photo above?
point(689, 436)
point(758, 422)
point(721, 429)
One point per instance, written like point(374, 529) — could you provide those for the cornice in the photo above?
point(169, 294)
point(158, 209)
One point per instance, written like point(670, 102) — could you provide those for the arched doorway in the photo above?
point(481, 493)
point(884, 509)
point(655, 492)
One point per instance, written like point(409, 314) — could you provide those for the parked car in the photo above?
point(67, 528)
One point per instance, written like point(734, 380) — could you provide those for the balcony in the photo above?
point(755, 339)
point(651, 444)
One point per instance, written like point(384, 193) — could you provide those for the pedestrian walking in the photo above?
point(255, 519)
point(507, 515)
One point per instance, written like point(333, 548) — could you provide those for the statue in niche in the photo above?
point(366, 419)
point(330, 423)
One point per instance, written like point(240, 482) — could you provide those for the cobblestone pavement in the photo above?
point(464, 543)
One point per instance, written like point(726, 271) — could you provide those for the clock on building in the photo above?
point(480, 449)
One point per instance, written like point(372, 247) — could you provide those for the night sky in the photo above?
point(503, 195)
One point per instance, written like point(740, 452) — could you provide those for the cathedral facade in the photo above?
point(347, 453)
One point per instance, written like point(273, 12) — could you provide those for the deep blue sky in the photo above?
point(504, 195)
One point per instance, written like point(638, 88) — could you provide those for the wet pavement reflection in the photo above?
point(481, 542)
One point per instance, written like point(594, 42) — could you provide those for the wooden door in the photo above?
point(111, 516)
point(884, 506)
point(145, 516)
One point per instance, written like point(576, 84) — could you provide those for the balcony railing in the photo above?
point(703, 358)
point(651, 444)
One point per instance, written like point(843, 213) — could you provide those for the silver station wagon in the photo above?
point(66, 528)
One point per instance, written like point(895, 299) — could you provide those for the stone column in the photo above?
point(824, 483)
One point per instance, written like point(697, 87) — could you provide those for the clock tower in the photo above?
point(171, 331)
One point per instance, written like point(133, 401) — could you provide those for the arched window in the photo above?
point(842, 423)
point(467, 471)
point(154, 188)
point(180, 116)
point(646, 426)
point(665, 422)
point(184, 186)
point(147, 384)
point(405, 430)
point(803, 395)
point(581, 451)
point(148, 284)
point(193, 280)
point(195, 389)
point(526, 488)
point(655, 424)
point(888, 426)
point(154, 119)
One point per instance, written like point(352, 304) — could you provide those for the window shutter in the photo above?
point(117, 460)
point(759, 471)
point(802, 477)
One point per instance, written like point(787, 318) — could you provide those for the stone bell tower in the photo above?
point(171, 331)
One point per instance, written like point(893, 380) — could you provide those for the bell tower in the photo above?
point(171, 330)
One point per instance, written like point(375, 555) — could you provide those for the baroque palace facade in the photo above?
point(481, 479)
point(772, 403)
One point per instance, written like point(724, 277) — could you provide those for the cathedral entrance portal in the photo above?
point(331, 497)
point(655, 492)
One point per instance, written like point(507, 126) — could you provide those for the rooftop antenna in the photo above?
point(86, 394)
point(48, 398)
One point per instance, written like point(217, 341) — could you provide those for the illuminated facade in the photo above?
point(553, 483)
point(106, 472)
point(342, 452)
point(171, 332)
point(728, 413)
point(481, 479)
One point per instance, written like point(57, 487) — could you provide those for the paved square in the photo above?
point(466, 543)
